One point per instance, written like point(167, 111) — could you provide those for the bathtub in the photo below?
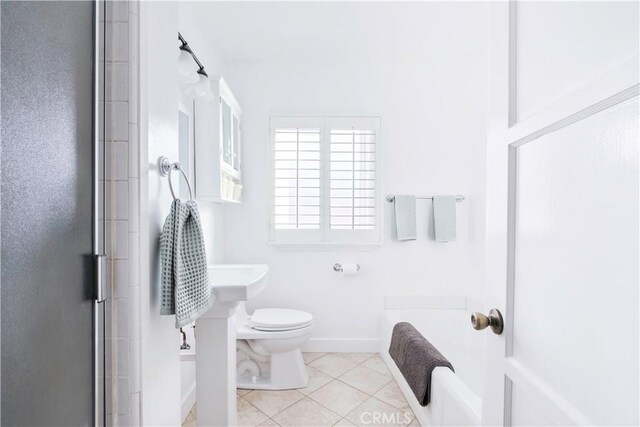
point(455, 397)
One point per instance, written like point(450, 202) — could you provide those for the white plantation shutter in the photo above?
point(297, 178)
point(324, 179)
point(353, 183)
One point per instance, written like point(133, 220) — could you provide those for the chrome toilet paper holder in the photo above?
point(337, 267)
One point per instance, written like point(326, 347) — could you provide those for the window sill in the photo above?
point(326, 246)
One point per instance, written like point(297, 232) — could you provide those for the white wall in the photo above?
point(160, 23)
point(160, 397)
point(424, 71)
point(194, 28)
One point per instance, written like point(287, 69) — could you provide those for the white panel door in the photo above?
point(563, 220)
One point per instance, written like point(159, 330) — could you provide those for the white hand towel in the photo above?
point(444, 218)
point(405, 207)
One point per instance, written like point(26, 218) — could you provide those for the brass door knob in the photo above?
point(479, 321)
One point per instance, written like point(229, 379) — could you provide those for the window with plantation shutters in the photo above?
point(324, 180)
point(352, 182)
point(297, 178)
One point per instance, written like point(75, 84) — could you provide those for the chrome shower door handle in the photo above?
point(100, 277)
point(494, 320)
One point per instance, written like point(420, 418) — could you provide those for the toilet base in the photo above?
point(287, 371)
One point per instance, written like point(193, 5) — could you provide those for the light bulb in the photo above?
point(185, 64)
point(189, 80)
point(202, 87)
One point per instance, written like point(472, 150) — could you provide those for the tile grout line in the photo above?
point(258, 409)
point(330, 410)
point(284, 409)
point(309, 395)
point(344, 358)
point(390, 377)
point(318, 404)
point(356, 388)
point(336, 379)
point(369, 395)
point(303, 396)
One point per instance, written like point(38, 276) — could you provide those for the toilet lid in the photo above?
point(279, 319)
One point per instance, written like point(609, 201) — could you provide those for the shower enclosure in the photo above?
point(52, 314)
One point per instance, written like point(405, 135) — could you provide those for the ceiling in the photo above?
point(325, 31)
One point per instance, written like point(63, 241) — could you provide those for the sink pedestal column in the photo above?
point(216, 366)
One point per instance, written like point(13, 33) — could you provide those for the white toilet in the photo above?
point(268, 348)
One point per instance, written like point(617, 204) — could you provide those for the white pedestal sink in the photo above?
point(216, 341)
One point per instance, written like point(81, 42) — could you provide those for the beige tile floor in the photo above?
point(345, 389)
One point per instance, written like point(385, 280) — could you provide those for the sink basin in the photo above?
point(237, 282)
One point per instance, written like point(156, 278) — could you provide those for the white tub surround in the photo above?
point(455, 397)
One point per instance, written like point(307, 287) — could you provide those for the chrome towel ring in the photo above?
point(165, 167)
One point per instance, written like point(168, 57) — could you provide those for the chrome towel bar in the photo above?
point(391, 198)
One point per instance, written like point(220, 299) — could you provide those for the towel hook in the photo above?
point(165, 167)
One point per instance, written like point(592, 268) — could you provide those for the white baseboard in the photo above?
point(342, 345)
point(188, 401)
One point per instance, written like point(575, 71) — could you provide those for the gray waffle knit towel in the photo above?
point(186, 290)
point(416, 358)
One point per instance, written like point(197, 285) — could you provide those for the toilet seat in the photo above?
point(276, 329)
point(244, 332)
point(279, 319)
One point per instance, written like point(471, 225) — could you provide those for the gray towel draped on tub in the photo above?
point(416, 358)
point(186, 290)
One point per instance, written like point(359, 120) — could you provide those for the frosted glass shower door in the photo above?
point(47, 220)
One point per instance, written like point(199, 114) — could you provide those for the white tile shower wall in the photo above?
point(122, 213)
point(133, 156)
point(425, 75)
